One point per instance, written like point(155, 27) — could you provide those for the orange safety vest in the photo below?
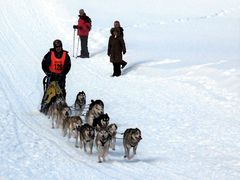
point(57, 64)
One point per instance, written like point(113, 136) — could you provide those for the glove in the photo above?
point(74, 26)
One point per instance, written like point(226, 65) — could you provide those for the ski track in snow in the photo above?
point(187, 19)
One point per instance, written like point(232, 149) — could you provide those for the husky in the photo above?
point(112, 130)
point(131, 138)
point(64, 112)
point(96, 108)
point(101, 122)
point(86, 134)
point(102, 144)
point(70, 124)
point(80, 103)
point(55, 111)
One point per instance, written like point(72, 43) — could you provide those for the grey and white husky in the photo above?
point(102, 144)
point(112, 130)
point(80, 103)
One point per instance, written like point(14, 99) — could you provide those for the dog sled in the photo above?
point(51, 91)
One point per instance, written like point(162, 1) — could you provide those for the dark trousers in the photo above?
point(116, 69)
point(84, 46)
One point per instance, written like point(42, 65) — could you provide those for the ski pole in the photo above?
point(74, 41)
point(77, 46)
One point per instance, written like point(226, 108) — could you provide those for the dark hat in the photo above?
point(81, 11)
point(57, 43)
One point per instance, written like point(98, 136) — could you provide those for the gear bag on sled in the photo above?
point(51, 91)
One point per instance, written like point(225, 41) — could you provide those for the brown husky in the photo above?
point(86, 134)
point(131, 138)
point(56, 111)
point(70, 124)
point(96, 108)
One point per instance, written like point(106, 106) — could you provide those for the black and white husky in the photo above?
point(101, 122)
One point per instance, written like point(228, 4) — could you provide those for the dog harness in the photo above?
point(57, 64)
point(104, 142)
point(134, 142)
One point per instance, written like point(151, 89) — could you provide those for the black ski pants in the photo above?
point(84, 46)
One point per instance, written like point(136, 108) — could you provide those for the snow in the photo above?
point(180, 87)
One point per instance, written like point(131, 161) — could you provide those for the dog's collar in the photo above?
point(133, 145)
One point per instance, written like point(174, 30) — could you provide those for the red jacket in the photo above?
point(84, 26)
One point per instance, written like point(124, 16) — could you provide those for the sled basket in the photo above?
point(52, 91)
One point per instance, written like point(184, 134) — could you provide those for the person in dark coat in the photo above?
point(116, 47)
point(56, 64)
point(117, 25)
point(83, 27)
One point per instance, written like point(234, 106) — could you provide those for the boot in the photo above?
point(124, 63)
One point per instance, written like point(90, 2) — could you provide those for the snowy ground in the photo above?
point(180, 87)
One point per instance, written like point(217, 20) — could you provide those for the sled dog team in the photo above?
point(95, 129)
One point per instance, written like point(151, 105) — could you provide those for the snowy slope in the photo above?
point(180, 87)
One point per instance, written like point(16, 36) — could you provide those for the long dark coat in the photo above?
point(116, 46)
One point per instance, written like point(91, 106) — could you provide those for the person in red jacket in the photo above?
point(83, 27)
